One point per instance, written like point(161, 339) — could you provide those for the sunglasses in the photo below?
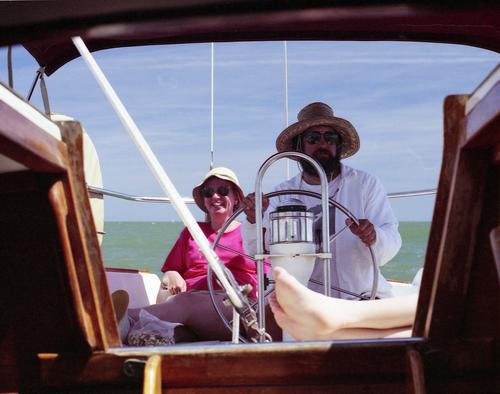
point(209, 191)
point(330, 137)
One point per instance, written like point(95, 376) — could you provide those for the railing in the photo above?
point(128, 197)
point(188, 200)
point(414, 193)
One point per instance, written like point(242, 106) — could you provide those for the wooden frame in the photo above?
point(58, 331)
point(76, 344)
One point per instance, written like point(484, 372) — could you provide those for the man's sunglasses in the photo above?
point(208, 191)
point(330, 137)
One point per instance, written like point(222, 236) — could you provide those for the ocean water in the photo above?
point(144, 245)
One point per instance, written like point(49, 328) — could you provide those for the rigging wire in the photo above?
point(189, 200)
point(9, 67)
point(33, 85)
point(285, 48)
point(212, 107)
point(43, 90)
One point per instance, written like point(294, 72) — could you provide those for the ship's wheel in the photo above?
point(249, 322)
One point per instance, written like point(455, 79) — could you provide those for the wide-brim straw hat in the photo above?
point(221, 173)
point(320, 114)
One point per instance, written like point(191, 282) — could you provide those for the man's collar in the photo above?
point(316, 180)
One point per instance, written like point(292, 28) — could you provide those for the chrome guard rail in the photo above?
point(128, 197)
point(424, 192)
point(188, 200)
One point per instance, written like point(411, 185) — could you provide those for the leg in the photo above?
point(308, 315)
point(195, 311)
point(300, 311)
point(184, 334)
point(205, 321)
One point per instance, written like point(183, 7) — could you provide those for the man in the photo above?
point(329, 139)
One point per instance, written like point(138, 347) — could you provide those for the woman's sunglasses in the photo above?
point(209, 191)
point(330, 137)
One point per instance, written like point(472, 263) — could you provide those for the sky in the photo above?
point(392, 92)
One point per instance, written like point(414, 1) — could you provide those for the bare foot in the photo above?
point(303, 313)
point(307, 315)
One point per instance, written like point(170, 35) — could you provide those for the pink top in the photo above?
point(186, 258)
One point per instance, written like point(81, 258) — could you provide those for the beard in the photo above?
point(330, 164)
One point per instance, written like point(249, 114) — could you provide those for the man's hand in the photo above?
point(365, 231)
point(249, 204)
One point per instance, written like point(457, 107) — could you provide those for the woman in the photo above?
point(184, 292)
point(185, 268)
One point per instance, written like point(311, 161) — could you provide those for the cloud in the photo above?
point(391, 92)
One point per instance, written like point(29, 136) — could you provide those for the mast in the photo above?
point(212, 106)
point(285, 55)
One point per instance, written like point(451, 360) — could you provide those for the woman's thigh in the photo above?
point(204, 320)
point(196, 311)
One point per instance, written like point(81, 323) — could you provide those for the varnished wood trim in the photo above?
point(416, 376)
point(351, 367)
point(87, 252)
point(24, 142)
point(65, 224)
point(458, 242)
point(453, 136)
point(455, 289)
point(496, 153)
point(495, 247)
point(483, 122)
point(226, 366)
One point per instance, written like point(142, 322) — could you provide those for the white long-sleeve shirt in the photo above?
point(351, 265)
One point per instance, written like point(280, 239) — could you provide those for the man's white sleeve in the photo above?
point(249, 237)
point(380, 213)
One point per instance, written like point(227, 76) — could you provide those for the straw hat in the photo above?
point(320, 114)
point(221, 173)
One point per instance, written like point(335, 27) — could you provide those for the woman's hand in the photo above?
point(173, 282)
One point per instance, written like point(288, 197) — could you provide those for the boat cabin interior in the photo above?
point(58, 331)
